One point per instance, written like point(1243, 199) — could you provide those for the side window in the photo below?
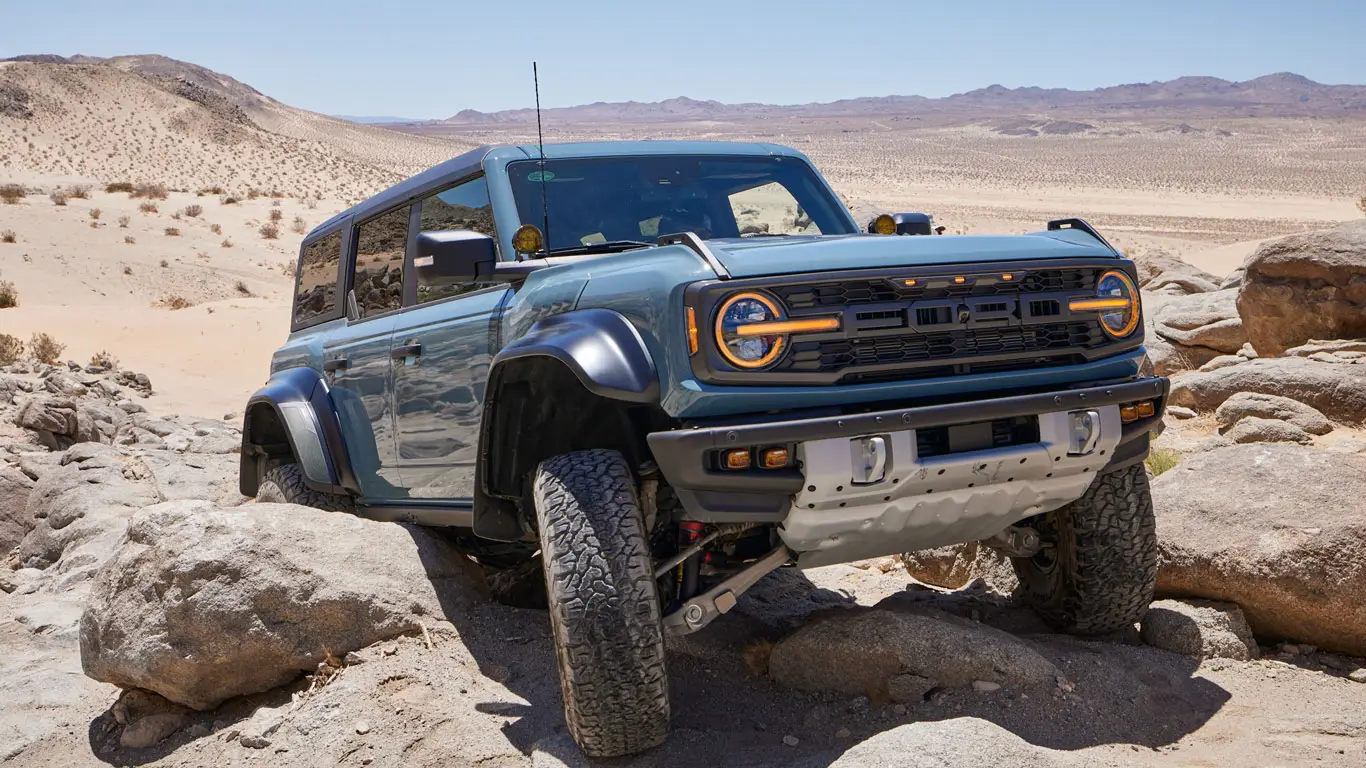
point(769, 209)
point(464, 206)
point(380, 246)
point(315, 287)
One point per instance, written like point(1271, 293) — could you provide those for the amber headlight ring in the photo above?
point(1119, 307)
point(749, 351)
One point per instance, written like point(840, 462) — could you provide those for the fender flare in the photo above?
point(298, 401)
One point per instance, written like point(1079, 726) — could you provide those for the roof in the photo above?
point(442, 174)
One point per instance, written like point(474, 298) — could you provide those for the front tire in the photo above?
point(284, 484)
point(1098, 569)
point(604, 607)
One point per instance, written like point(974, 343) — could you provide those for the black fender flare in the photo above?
point(297, 402)
point(608, 356)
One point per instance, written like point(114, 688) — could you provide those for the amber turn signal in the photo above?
point(774, 458)
point(692, 331)
point(737, 458)
point(1132, 412)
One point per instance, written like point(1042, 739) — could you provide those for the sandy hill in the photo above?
point(150, 118)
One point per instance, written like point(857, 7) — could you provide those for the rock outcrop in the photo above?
point(1336, 391)
point(14, 519)
point(1253, 429)
point(964, 742)
point(1279, 530)
point(1305, 286)
point(1202, 628)
point(954, 567)
point(202, 603)
point(1245, 404)
point(1207, 320)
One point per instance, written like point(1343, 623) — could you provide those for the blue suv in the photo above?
point(633, 378)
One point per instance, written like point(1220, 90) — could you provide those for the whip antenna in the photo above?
point(540, 142)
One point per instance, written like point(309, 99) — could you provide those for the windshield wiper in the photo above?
point(609, 246)
point(767, 234)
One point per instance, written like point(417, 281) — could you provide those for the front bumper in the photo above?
point(921, 503)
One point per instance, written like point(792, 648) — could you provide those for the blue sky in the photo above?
point(432, 59)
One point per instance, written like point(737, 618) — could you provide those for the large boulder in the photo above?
point(1280, 530)
point(859, 652)
point(202, 603)
point(14, 519)
point(1254, 429)
point(965, 742)
point(1336, 391)
point(1245, 404)
point(1202, 628)
point(954, 567)
point(1208, 320)
point(1305, 286)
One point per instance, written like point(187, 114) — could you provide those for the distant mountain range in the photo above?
point(1283, 93)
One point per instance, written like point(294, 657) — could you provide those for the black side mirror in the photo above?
point(909, 224)
point(455, 255)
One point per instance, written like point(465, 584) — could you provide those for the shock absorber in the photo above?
point(689, 533)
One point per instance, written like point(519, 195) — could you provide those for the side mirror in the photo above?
point(909, 224)
point(455, 256)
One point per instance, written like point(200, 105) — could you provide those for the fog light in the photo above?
point(1135, 411)
point(1146, 409)
point(1085, 432)
point(773, 458)
point(736, 459)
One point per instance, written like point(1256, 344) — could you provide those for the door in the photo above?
point(442, 347)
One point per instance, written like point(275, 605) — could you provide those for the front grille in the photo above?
point(845, 293)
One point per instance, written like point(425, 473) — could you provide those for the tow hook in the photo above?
point(1016, 541)
point(702, 610)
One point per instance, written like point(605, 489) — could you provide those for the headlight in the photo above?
point(1116, 301)
point(735, 331)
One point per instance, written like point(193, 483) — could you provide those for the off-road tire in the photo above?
point(285, 484)
point(1099, 567)
point(604, 609)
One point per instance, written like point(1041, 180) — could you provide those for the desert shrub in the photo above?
point(8, 236)
point(214, 228)
point(253, 193)
point(1162, 459)
point(148, 207)
point(11, 349)
point(153, 191)
point(229, 200)
point(311, 202)
point(1362, 204)
point(127, 270)
point(276, 214)
point(57, 197)
point(104, 360)
point(269, 231)
point(94, 213)
point(193, 211)
point(165, 263)
point(8, 296)
point(12, 193)
point(123, 222)
point(172, 232)
point(242, 288)
point(44, 348)
point(214, 190)
point(288, 268)
point(119, 186)
point(300, 226)
point(80, 192)
point(129, 239)
point(176, 302)
point(226, 243)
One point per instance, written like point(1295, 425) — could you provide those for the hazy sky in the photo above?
point(432, 59)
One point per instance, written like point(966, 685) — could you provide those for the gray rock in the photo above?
point(963, 742)
point(1201, 628)
point(64, 384)
point(1331, 346)
point(15, 521)
point(1177, 412)
point(859, 651)
point(147, 718)
point(956, 566)
point(1169, 358)
point(1208, 320)
point(1269, 527)
point(1336, 391)
point(1245, 404)
point(201, 603)
point(1253, 429)
point(1222, 361)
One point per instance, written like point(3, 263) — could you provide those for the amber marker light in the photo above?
point(1008, 276)
point(692, 331)
point(960, 280)
point(737, 459)
point(774, 458)
point(911, 283)
point(1091, 305)
point(813, 325)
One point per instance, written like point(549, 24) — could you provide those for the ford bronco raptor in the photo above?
point(646, 374)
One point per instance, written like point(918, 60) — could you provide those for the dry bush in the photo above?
point(12, 193)
point(1162, 459)
point(44, 348)
point(172, 232)
point(253, 193)
point(8, 296)
point(229, 200)
point(129, 239)
point(242, 288)
point(214, 228)
point(193, 211)
point(94, 213)
point(1362, 203)
point(288, 268)
point(119, 186)
point(8, 236)
point(148, 207)
point(123, 222)
point(80, 192)
point(311, 202)
point(270, 231)
point(153, 191)
point(176, 302)
point(103, 359)
point(57, 197)
point(214, 190)
point(276, 214)
point(127, 270)
point(300, 226)
point(11, 349)
point(226, 243)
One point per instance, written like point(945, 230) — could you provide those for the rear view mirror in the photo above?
point(454, 255)
point(909, 224)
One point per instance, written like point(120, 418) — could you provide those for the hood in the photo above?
point(757, 257)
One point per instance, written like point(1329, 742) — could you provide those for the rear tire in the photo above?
point(604, 608)
point(284, 484)
point(1098, 569)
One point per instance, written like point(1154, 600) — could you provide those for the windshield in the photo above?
point(615, 199)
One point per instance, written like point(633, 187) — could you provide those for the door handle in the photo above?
point(336, 364)
point(402, 351)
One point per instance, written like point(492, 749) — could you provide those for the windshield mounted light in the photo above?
point(527, 240)
point(884, 225)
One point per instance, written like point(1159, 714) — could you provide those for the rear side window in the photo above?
point(380, 245)
point(315, 287)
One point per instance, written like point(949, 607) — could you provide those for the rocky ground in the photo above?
point(151, 615)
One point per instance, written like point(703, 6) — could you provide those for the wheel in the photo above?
point(1098, 567)
point(604, 610)
point(285, 484)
